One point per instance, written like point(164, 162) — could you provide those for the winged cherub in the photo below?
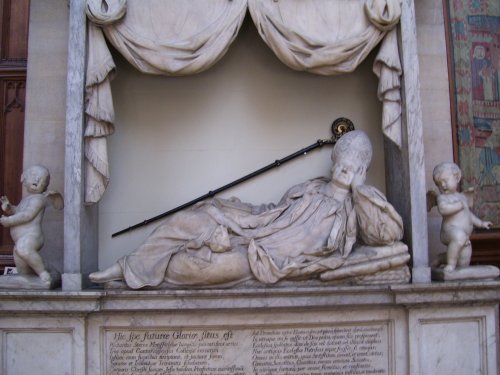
point(25, 221)
point(458, 220)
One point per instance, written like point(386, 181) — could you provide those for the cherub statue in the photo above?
point(458, 220)
point(25, 223)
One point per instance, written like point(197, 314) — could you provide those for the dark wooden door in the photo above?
point(14, 17)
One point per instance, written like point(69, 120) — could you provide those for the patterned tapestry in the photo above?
point(475, 47)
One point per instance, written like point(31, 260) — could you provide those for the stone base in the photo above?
point(440, 328)
point(466, 273)
point(17, 281)
point(366, 265)
point(72, 281)
point(398, 275)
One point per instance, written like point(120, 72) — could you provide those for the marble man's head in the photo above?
point(355, 146)
point(355, 149)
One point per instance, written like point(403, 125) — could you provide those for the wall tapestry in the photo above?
point(474, 36)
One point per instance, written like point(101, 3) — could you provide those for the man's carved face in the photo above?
point(343, 172)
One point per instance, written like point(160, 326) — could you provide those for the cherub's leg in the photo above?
point(112, 273)
point(458, 241)
point(453, 253)
point(22, 267)
point(31, 260)
point(465, 255)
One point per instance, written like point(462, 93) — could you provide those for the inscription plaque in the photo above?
point(321, 350)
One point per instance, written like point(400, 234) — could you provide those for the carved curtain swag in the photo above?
point(179, 37)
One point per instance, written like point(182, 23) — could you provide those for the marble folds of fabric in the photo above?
point(179, 37)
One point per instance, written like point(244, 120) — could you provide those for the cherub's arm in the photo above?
point(28, 213)
point(447, 208)
point(8, 208)
point(478, 223)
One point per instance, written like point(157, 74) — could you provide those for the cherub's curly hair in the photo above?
point(445, 166)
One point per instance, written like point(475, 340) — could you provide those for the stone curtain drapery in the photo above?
point(334, 37)
point(182, 37)
point(169, 37)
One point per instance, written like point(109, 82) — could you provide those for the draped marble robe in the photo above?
point(307, 233)
point(282, 240)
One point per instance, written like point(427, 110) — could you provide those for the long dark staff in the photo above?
point(339, 127)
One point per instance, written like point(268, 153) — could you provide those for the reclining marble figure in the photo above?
point(336, 230)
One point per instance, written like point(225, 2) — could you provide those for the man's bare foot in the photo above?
point(112, 273)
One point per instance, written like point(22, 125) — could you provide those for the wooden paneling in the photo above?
point(486, 248)
point(14, 16)
point(14, 48)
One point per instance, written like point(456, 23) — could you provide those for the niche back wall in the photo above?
point(179, 137)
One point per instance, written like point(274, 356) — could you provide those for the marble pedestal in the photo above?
point(440, 328)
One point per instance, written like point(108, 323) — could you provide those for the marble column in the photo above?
point(405, 167)
point(80, 221)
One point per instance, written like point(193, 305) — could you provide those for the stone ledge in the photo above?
point(98, 300)
point(30, 301)
point(460, 292)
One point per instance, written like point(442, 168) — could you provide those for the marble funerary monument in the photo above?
point(333, 278)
